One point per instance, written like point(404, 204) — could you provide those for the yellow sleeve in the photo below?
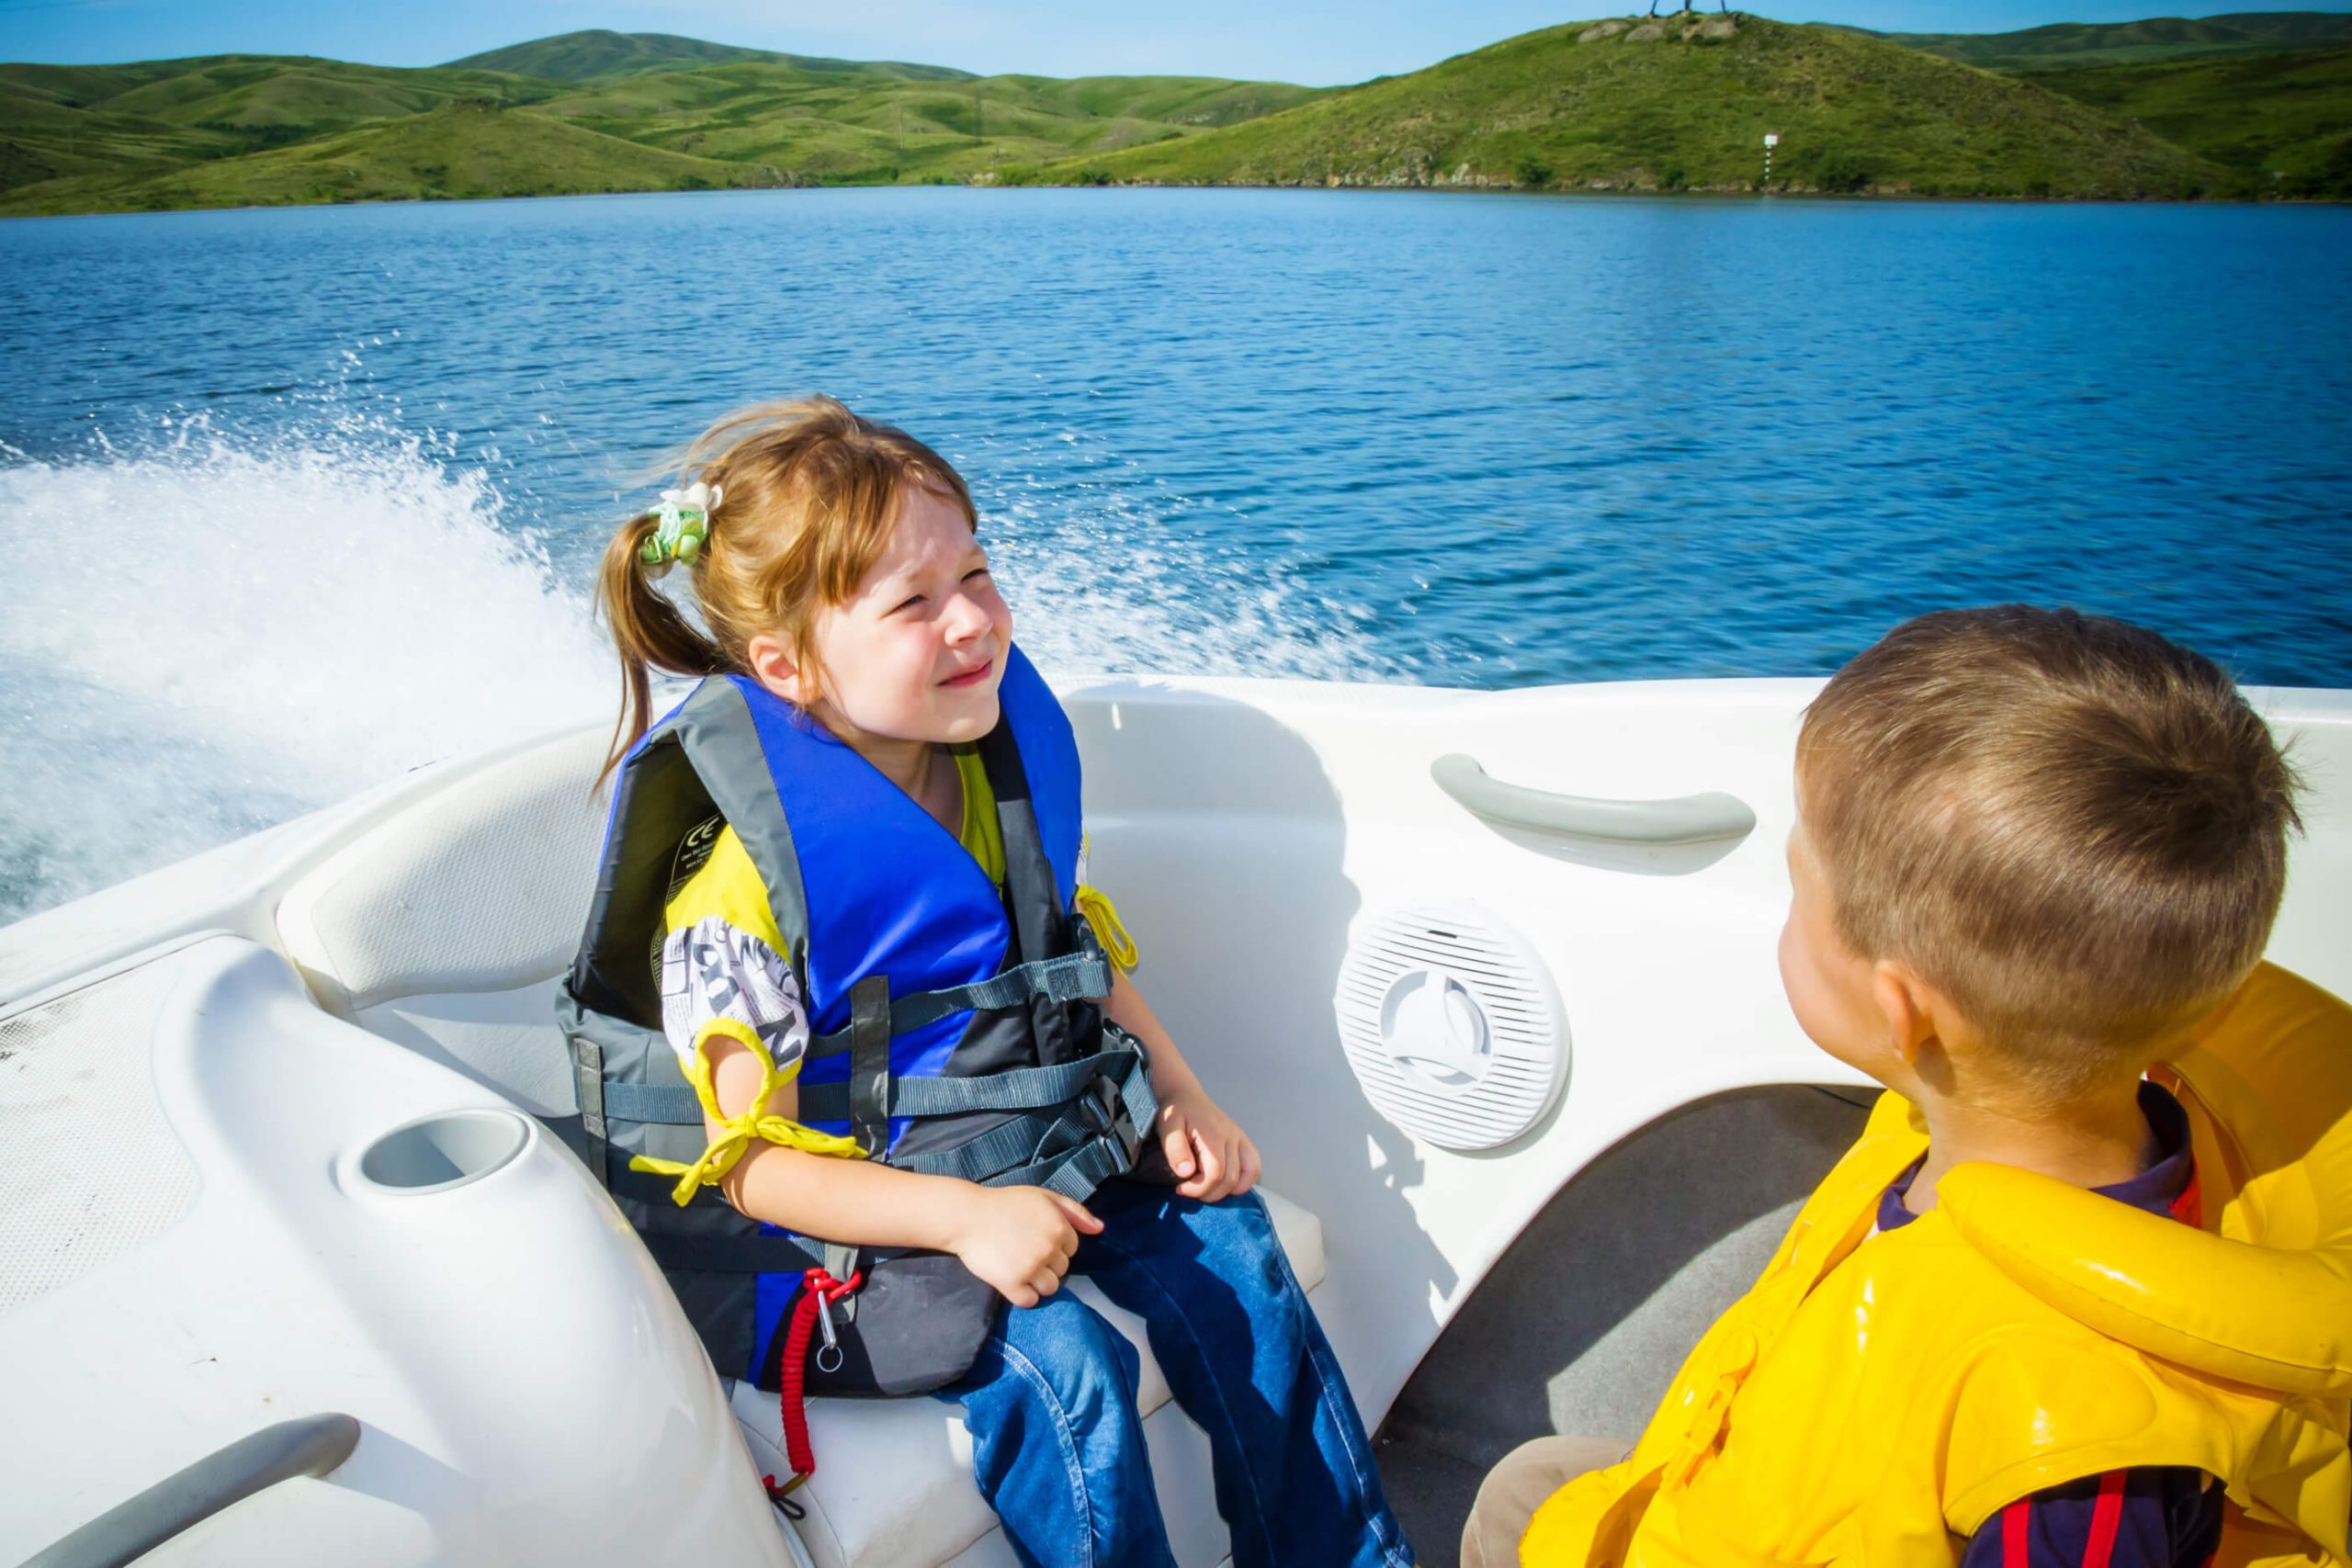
point(980, 835)
point(1095, 906)
point(984, 839)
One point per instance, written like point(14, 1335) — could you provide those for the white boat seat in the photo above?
point(445, 929)
point(893, 1487)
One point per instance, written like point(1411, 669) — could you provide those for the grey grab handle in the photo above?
point(1690, 819)
point(311, 1445)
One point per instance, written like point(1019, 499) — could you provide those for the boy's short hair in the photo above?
point(2073, 826)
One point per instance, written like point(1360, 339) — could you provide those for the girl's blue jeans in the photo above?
point(1059, 1450)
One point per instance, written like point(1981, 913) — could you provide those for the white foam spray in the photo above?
point(219, 631)
point(200, 641)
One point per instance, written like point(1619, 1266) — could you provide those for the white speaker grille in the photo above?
point(1452, 1024)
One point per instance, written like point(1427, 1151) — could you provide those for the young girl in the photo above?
point(842, 973)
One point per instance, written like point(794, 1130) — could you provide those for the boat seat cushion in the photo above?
point(481, 887)
point(446, 927)
point(893, 1487)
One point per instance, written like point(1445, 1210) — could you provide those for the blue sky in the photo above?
point(1313, 41)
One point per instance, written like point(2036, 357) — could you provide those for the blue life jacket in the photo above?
point(954, 1029)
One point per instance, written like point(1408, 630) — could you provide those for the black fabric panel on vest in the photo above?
point(921, 1318)
point(720, 1306)
point(991, 1043)
point(612, 974)
point(761, 1254)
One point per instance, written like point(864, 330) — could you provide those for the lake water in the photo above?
point(293, 500)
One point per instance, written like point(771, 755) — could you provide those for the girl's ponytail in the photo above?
point(647, 631)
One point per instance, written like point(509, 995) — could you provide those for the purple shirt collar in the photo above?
point(2155, 1188)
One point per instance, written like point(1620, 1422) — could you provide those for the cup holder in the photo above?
point(443, 1151)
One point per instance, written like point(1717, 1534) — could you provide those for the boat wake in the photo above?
point(223, 629)
point(221, 632)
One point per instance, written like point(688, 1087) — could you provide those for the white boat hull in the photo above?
point(528, 1393)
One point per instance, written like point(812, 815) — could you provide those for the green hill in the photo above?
point(2281, 121)
point(68, 121)
point(876, 129)
point(2066, 45)
point(193, 131)
point(462, 149)
point(1630, 104)
point(584, 56)
point(2163, 108)
point(47, 131)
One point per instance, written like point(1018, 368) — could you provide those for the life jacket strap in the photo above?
point(588, 1079)
point(1075, 1174)
point(1074, 977)
point(1114, 1111)
point(1016, 1088)
point(869, 1064)
point(668, 1105)
point(1084, 1138)
point(1077, 1100)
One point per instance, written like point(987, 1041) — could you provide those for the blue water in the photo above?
point(1469, 440)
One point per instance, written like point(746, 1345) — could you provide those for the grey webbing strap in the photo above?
point(869, 1064)
point(1088, 1168)
point(1074, 977)
point(1018, 1089)
point(1033, 895)
point(588, 1076)
point(1141, 1103)
point(1110, 1146)
point(841, 1262)
point(1015, 1142)
point(722, 740)
point(1073, 1175)
point(669, 1105)
point(823, 1102)
point(1071, 977)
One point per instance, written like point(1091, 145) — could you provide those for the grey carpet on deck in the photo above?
point(1581, 1325)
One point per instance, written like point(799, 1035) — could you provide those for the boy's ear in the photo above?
point(1909, 1005)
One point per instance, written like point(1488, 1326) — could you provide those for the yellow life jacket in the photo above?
point(1873, 1400)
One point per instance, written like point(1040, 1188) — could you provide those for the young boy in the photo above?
point(2033, 849)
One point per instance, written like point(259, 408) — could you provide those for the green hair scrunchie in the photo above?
point(682, 522)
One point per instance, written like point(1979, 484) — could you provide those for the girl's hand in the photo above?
point(1021, 1239)
point(1205, 1148)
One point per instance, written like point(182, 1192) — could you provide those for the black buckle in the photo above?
point(1097, 1109)
point(1105, 1100)
point(1103, 1111)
